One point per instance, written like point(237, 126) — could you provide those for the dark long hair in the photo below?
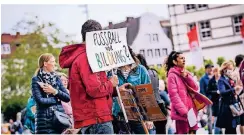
point(133, 55)
point(169, 62)
point(142, 60)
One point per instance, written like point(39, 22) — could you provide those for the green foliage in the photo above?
point(208, 61)
point(161, 72)
point(22, 64)
point(191, 68)
point(220, 61)
point(199, 73)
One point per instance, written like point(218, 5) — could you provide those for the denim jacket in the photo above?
point(138, 75)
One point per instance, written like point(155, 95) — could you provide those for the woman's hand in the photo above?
point(149, 124)
point(123, 87)
point(184, 73)
point(238, 88)
point(49, 89)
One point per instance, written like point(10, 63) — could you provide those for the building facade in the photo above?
point(218, 27)
point(9, 43)
point(147, 35)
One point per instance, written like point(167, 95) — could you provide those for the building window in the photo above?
point(165, 52)
point(205, 30)
point(149, 53)
point(142, 52)
point(155, 37)
point(202, 6)
point(5, 49)
point(237, 23)
point(152, 38)
point(157, 53)
point(194, 7)
point(190, 26)
point(190, 7)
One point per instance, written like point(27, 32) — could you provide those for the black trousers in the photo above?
point(230, 130)
point(160, 127)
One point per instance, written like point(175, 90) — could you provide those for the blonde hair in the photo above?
point(225, 65)
point(216, 69)
point(60, 74)
point(43, 58)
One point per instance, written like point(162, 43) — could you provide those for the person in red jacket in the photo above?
point(91, 93)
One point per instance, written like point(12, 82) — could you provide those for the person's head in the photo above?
point(216, 72)
point(209, 69)
point(64, 79)
point(227, 68)
point(88, 26)
point(133, 55)
point(142, 60)
point(238, 59)
point(175, 59)
point(11, 121)
point(47, 62)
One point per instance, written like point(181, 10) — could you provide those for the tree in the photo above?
point(19, 68)
point(208, 61)
point(161, 72)
point(220, 61)
point(191, 68)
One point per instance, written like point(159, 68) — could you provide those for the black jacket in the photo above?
point(212, 90)
point(45, 105)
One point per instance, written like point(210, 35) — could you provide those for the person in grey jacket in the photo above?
point(160, 125)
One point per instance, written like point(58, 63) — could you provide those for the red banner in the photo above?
point(192, 36)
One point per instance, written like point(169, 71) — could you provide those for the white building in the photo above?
point(218, 29)
point(145, 35)
point(151, 40)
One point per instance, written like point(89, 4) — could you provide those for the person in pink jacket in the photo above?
point(181, 102)
point(67, 106)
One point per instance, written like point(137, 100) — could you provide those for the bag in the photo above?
point(241, 96)
point(61, 120)
point(199, 100)
point(237, 108)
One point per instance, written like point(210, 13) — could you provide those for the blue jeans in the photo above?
point(216, 129)
point(102, 128)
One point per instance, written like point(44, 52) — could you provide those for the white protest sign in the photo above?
point(107, 49)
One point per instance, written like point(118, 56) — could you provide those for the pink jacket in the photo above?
point(181, 101)
point(67, 107)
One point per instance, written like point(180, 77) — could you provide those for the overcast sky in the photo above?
point(69, 18)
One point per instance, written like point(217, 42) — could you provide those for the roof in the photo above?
point(132, 25)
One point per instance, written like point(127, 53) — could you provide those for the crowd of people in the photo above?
point(87, 103)
point(224, 86)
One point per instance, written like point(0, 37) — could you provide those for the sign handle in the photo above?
point(144, 127)
point(120, 101)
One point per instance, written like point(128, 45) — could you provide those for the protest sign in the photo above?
point(141, 104)
point(107, 49)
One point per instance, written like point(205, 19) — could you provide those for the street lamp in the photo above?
point(86, 10)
